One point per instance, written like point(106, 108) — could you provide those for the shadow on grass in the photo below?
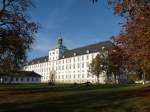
point(59, 88)
point(111, 100)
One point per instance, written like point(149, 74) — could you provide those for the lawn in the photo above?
point(79, 98)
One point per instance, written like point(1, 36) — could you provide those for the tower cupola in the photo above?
point(59, 41)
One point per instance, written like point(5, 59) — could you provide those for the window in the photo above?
point(82, 58)
point(27, 79)
point(70, 60)
point(88, 75)
point(70, 66)
point(37, 79)
point(21, 79)
point(87, 57)
point(82, 75)
point(16, 79)
point(74, 59)
point(5, 79)
point(82, 65)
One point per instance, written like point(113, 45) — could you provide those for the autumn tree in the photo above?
point(100, 64)
point(117, 63)
point(17, 33)
point(112, 61)
point(134, 38)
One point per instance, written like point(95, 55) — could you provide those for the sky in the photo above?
point(80, 22)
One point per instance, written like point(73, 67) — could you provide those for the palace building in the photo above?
point(64, 65)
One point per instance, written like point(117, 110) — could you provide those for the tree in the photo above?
point(134, 38)
point(17, 33)
point(116, 64)
point(109, 61)
point(95, 67)
point(52, 77)
point(104, 52)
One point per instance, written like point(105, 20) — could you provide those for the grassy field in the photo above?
point(69, 98)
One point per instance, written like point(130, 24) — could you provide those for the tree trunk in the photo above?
point(1, 80)
point(97, 79)
point(143, 77)
point(107, 76)
point(115, 78)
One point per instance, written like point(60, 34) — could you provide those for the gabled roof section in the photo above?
point(19, 73)
point(39, 60)
point(87, 49)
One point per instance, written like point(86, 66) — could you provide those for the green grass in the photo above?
point(69, 98)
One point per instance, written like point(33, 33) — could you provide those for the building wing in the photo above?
point(87, 49)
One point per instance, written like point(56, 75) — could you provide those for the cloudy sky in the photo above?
point(79, 21)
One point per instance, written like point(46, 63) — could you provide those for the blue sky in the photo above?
point(79, 21)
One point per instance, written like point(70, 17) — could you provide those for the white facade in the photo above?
point(20, 77)
point(19, 80)
point(67, 66)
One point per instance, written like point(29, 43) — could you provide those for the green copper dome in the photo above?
point(60, 42)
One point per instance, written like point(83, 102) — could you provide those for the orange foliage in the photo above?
point(135, 37)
